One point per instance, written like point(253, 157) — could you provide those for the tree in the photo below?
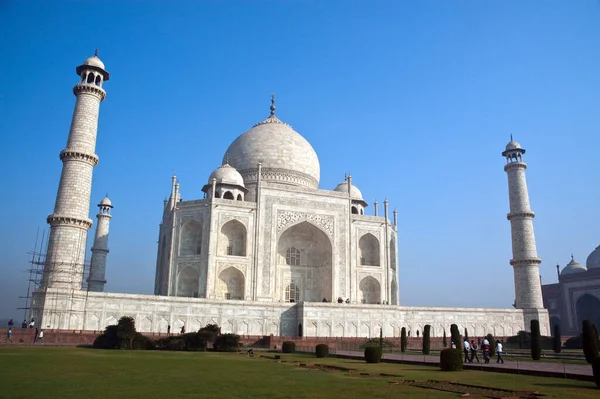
point(589, 341)
point(126, 332)
point(426, 339)
point(455, 335)
point(403, 340)
point(466, 334)
point(492, 342)
point(445, 340)
point(381, 338)
point(557, 342)
point(536, 340)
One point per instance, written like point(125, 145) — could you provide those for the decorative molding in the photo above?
point(285, 218)
point(56, 220)
point(520, 215)
point(275, 175)
point(183, 265)
point(515, 165)
point(89, 88)
point(525, 262)
point(376, 276)
point(224, 218)
point(70, 155)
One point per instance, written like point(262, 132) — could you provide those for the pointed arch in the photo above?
point(369, 250)
point(191, 238)
point(354, 210)
point(232, 239)
point(231, 284)
point(370, 290)
point(187, 282)
point(305, 253)
point(393, 253)
point(239, 197)
point(228, 195)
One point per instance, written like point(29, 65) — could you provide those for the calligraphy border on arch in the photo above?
point(268, 215)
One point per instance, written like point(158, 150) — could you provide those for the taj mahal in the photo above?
point(265, 251)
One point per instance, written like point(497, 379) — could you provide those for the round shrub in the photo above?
point(596, 370)
point(373, 354)
point(451, 359)
point(288, 347)
point(322, 350)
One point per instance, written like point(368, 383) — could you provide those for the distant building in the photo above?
point(576, 296)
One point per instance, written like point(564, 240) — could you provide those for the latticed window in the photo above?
point(230, 250)
point(227, 295)
point(292, 293)
point(292, 256)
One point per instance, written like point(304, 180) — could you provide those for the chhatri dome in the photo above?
point(572, 267)
point(593, 259)
point(354, 191)
point(286, 157)
point(512, 145)
point(226, 174)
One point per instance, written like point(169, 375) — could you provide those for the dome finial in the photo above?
point(226, 159)
point(272, 104)
point(96, 53)
point(572, 257)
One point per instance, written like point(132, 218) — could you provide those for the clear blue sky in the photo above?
point(415, 99)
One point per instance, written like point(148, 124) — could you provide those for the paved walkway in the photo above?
point(550, 369)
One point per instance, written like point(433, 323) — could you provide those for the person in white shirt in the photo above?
point(466, 349)
point(499, 352)
point(41, 337)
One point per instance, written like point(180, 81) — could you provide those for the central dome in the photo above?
point(286, 157)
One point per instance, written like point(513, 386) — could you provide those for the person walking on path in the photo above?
point(32, 323)
point(466, 349)
point(485, 348)
point(11, 323)
point(474, 348)
point(499, 352)
point(9, 335)
point(41, 336)
point(35, 336)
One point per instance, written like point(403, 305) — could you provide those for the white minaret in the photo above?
point(70, 221)
point(97, 277)
point(525, 261)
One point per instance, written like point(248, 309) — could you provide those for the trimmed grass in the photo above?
point(29, 372)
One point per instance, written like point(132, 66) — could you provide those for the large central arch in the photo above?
point(304, 259)
point(588, 308)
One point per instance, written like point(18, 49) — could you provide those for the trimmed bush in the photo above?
point(557, 340)
point(466, 336)
point(445, 340)
point(492, 341)
point(227, 343)
point(288, 347)
point(141, 342)
point(426, 339)
point(589, 341)
point(373, 354)
point(322, 350)
point(536, 340)
point(455, 335)
point(451, 359)
point(596, 370)
point(403, 340)
point(573, 343)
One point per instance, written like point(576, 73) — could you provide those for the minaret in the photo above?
point(97, 277)
point(525, 261)
point(70, 221)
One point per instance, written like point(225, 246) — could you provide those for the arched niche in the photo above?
point(232, 239)
point(370, 290)
point(588, 308)
point(187, 282)
point(230, 284)
point(228, 195)
point(312, 270)
point(369, 250)
point(554, 321)
point(191, 238)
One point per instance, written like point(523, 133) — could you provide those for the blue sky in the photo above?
point(415, 99)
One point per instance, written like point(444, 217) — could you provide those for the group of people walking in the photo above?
point(470, 350)
point(38, 335)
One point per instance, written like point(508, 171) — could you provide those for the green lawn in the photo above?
point(46, 373)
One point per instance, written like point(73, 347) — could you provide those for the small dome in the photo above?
point(354, 191)
point(94, 61)
point(593, 259)
point(572, 268)
point(513, 145)
point(226, 174)
point(105, 202)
